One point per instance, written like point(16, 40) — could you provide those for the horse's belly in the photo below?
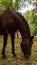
point(12, 27)
point(1, 33)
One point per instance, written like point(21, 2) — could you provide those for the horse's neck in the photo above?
point(21, 25)
point(23, 30)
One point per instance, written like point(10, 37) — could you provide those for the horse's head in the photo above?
point(26, 47)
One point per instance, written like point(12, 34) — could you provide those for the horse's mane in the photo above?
point(25, 22)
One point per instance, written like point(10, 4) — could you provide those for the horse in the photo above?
point(10, 21)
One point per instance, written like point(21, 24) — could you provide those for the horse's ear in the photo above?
point(32, 37)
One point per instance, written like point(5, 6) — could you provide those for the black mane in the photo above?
point(26, 23)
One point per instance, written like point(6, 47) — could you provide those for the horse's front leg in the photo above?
point(4, 45)
point(12, 40)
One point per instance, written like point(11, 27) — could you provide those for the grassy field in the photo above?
point(19, 60)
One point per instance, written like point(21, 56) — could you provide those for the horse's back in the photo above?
point(6, 22)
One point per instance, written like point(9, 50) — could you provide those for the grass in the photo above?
point(19, 60)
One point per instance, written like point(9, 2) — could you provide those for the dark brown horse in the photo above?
point(10, 21)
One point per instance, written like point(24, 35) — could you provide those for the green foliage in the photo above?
point(31, 17)
point(9, 4)
point(15, 5)
point(34, 21)
point(27, 15)
point(5, 3)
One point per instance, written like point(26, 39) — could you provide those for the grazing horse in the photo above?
point(10, 21)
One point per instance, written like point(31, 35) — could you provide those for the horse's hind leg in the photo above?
point(4, 45)
point(12, 40)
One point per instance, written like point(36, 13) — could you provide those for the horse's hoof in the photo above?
point(3, 57)
point(14, 55)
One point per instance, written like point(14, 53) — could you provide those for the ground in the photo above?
point(19, 60)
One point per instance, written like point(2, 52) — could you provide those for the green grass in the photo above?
point(19, 60)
